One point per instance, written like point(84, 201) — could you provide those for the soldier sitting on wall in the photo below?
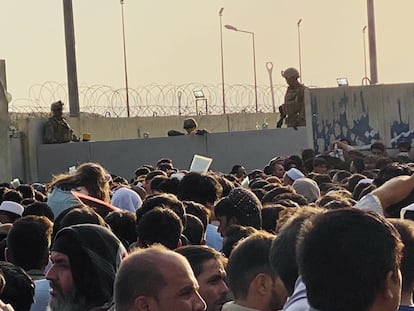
point(190, 125)
point(57, 130)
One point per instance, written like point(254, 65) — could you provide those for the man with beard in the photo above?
point(208, 267)
point(251, 278)
point(85, 260)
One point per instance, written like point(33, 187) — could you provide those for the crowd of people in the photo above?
point(331, 232)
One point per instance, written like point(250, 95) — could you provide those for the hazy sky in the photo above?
point(178, 41)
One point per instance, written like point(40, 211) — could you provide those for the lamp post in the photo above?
point(254, 59)
point(125, 57)
point(365, 78)
point(300, 52)
point(222, 62)
point(71, 59)
point(372, 42)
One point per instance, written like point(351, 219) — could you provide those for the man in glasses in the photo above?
point(57, 129)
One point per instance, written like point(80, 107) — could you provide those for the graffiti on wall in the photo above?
point(356, 128)
point(362, 115)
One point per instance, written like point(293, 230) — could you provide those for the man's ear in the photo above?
point(263, 283)
point(142, 303)
point(392, 285)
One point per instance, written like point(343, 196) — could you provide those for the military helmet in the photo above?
point(290, 73)
point(54, 106)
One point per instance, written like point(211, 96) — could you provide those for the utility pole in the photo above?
point(71, 59)
point(372, 42)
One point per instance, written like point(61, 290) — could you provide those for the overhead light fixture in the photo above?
point(342, 81)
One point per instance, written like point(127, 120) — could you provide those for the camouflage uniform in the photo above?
point(57, 131)
point(294, 106)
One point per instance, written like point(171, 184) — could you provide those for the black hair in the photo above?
point(12, 195)
point(249, 258)
point(159, 226)
point(197, 255)
point(26, 190)
point(19, 289)
point(164, 200)
point(39, 209)
point(194, 230)
point(200, 188)
point(355, 247)
point(28, 242)
point(123, 225)
point(405, 228)
point(283, 250)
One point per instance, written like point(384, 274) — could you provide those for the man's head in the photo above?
point(283, 250)
point(209, 268)
point(56, 109)
point(28, 242)
point(378, 149)
point(250, 276)
point(405, 228)
point(10, 211)
point(199, 187)
point(277, 169)
point(189, 125)
point(291, 75)
point(240, 207)
point(350, 253)
point(320, 165)
point(19, 287)
point(291, 175)
point(156, 279)
point(85, 259)
point(239, 171)
point(159, 225)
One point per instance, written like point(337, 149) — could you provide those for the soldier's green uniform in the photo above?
point(293, 108)
point(57, 130)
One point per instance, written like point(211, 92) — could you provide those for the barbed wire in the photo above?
point(151, 100)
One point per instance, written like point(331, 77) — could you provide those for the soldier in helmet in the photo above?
point(293, 108)
point(57, 129)
point(191, 127)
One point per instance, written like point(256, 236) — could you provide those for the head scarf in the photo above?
point(95, 254)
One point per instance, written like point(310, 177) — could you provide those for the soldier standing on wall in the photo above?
point(293, 108)
point(57, 129)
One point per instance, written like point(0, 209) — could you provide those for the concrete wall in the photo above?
point(103, 129)
point(110, 129)
point(253, 149)
point(5, 155)
point(363, 114)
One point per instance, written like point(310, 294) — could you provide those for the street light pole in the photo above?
point(372, 42)
point(125, 58)
point(300, 52)
point(71, 59)
point(254, 60)
point(365, 78)
point(222, 62)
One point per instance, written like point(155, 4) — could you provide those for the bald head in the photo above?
point(145, 272)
